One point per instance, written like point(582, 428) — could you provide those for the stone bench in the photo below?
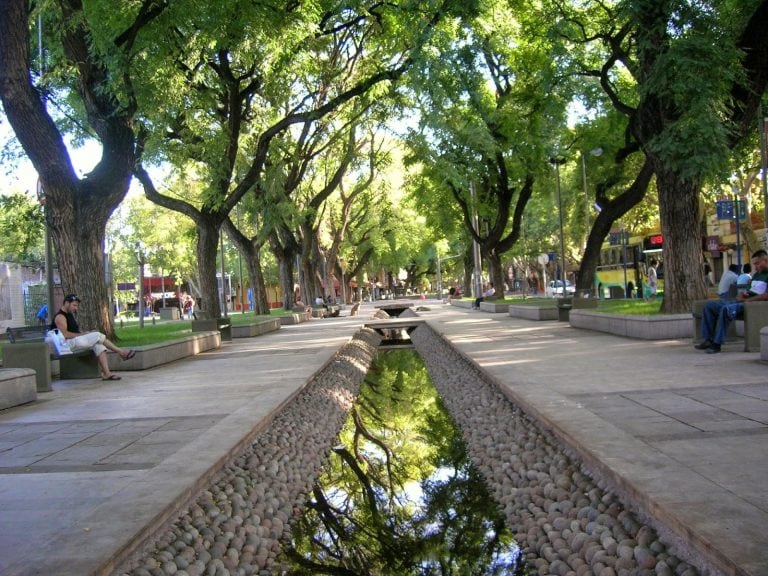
point(17, 386)
point(27, 349)
point(160, 353)
point(330, 311)
point(223, 325)
point(495, 307)
point(755, 318)
point(764, 343)
point(255, 328)
point(533, 311)
point(296, 318)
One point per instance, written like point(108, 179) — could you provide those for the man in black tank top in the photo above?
point(66, 322)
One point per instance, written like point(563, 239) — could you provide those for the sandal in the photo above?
point(131, 354)
point(112, 377)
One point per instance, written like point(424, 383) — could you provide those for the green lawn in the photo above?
point(630, 306)
point(163, 330)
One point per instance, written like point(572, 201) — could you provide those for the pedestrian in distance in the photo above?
point(653, 278)
point(66, 322)
point(718, 314)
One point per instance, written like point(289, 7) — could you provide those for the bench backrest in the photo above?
point(21, 333)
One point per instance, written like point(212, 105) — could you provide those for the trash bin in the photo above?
point(616, 292)
point(564, 306)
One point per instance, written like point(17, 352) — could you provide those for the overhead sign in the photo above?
point(726, 209)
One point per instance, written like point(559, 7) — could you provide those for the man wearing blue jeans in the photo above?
point(718, 314)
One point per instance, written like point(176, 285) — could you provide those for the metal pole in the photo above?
point(140, 256)
point(624, 256)
point(764, 162)
point(557, 162)
point(223, 277)
point(737, 216)
point(477, 284)
point(586, 198)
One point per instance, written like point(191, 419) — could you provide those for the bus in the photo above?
point(624, 260)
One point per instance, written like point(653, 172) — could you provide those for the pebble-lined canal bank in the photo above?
point(562, 519)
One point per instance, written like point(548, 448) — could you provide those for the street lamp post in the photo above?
point(557, 161)
point(141, 259)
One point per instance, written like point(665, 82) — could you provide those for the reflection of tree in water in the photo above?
point(399, 496)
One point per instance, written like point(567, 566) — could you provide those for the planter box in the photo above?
point(462, 303)
point(655, 327)
point(164, 352)
point(255, 328)
point(533, 312)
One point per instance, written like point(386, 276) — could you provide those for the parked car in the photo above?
point(555, 288)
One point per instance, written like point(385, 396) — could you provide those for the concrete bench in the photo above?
point(28, 349)
point(17, 386)
point(533, 311)
point(255, 328)
point(330, 311)
point(754, 319)
point(223, 325)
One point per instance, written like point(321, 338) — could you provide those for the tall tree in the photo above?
point(698, 72)
point(489, 119)
point(90, 53)
point(244, 85)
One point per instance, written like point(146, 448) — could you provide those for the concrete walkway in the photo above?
point(685, 434)
point(92, 464)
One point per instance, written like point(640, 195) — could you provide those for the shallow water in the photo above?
point(399, 495)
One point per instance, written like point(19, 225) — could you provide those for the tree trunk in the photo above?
point(260, 301)
point(496, 274)
point(207, 246)
point(683, 257)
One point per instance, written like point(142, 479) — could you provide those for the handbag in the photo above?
point(57, 341)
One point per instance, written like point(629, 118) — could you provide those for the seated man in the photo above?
point(718, 314)
point(66, 323)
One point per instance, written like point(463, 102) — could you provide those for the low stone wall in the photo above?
point(462, 303)
point(256, 328)
point(164, 352)
point(531, 312)
point(17, 386)
point(653, 327)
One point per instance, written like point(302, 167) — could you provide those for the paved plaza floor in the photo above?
point(93, 464)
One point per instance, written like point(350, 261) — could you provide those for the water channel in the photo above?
point(399, 495)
